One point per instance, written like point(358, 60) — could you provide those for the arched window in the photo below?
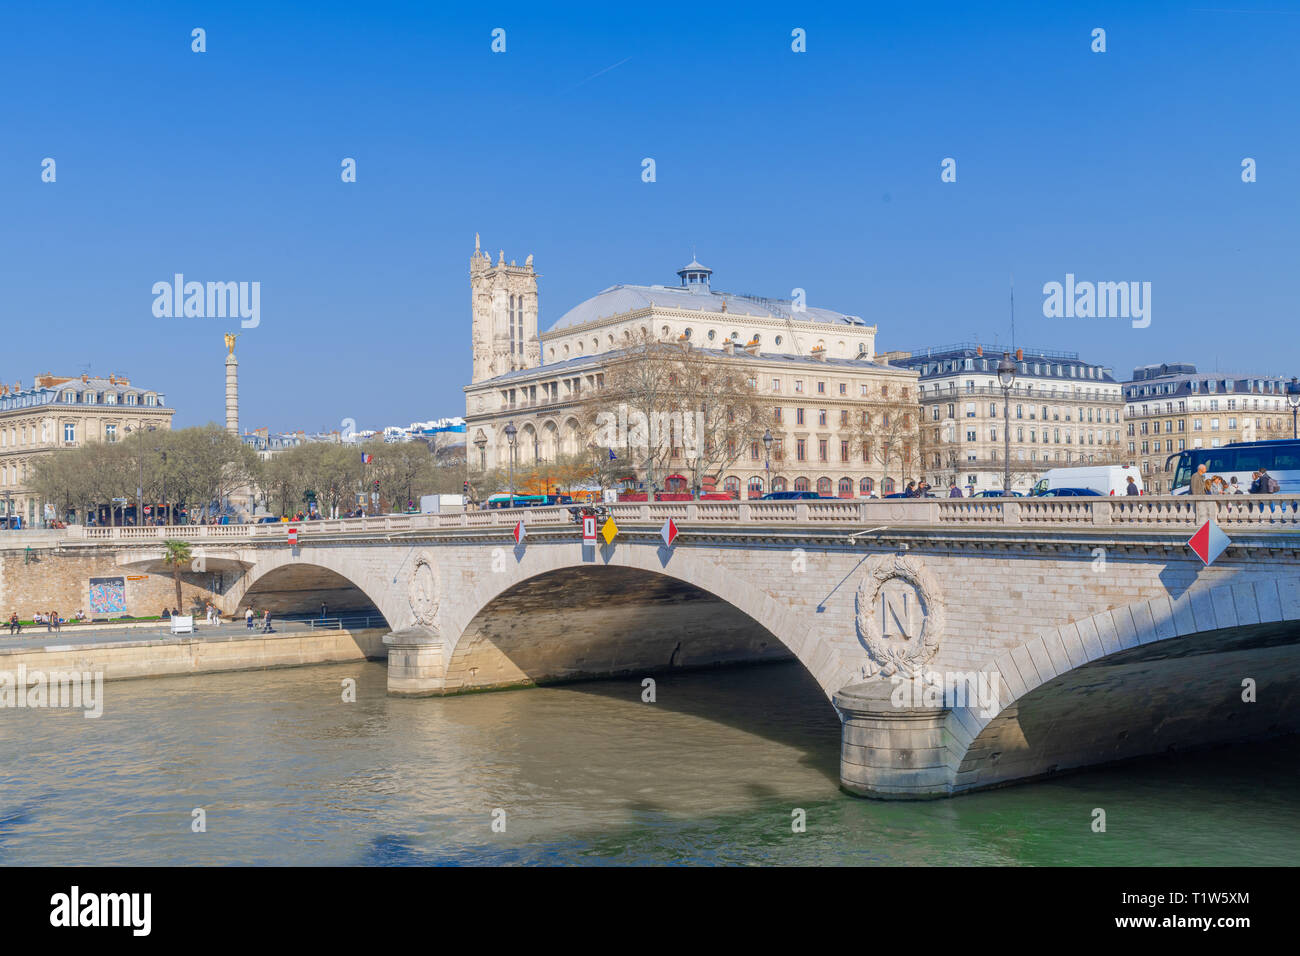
point(866, 487)
point(887, 486)
point(778, 484)
point(755, 487)
point(846, 487)
point(824, 487)
point(731, 485)
point(801, 484)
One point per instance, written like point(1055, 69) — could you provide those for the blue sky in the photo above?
point(817, 170)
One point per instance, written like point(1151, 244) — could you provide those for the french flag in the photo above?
point(366, 458)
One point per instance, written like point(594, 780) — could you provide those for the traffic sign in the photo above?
point(1209, 541)
point(589, 530)
point(608, 530)
point(520, 533)
point(668, 532)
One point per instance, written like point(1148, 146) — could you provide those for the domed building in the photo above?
point(817, 367)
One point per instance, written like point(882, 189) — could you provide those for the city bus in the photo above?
point(528, 501)
point(1240, 460)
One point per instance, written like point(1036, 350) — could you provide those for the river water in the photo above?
point(287, 772)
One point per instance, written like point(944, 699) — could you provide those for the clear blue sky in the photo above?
point(817, 170)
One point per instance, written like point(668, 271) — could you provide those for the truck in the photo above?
point(441, 504)
point(1103, 479)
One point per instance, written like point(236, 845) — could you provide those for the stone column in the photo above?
point(890, 752)
point(416, 667)
point(232, 394)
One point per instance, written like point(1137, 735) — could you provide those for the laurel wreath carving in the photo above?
point(422, 590)
point(885, 657)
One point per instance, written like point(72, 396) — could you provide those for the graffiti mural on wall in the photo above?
point(107, 596)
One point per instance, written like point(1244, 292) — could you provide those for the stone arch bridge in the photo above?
point(965, 643)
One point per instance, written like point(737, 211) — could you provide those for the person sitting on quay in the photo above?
point(166, 614)
point(15, 625)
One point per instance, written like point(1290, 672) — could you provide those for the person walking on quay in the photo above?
point(266, 622)
point(49, 625)
point(248, 618)
point(54, 616)
point(953, 490)
point(1198, 481)
point(1132, 488)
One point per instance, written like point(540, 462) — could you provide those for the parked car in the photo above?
point(268, 519)
point(996, 494)
point(1070, 493)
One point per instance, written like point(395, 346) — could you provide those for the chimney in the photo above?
point(819, 353)
point(752, 347)
point(979, 350)
point(1020, 355)
point(729, 347)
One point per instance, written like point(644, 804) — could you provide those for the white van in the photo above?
point(1103, 479)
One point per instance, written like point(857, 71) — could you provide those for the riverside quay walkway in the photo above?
point(966, 643)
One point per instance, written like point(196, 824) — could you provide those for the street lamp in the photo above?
point(1293, 399)
point(767, 458)
point(511, 432)
point(1006, 376)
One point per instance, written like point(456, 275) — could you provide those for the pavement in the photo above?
point(37, 638)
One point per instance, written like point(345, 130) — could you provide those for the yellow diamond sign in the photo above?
point(608, 530)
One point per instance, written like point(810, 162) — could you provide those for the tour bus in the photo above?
point(1103, 479)
point(1240, 460)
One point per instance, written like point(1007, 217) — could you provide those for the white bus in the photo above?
point(1241, 460)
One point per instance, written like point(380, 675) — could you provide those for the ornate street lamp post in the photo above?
point(1293, 399)
point(1006, 376)
point(511, 432)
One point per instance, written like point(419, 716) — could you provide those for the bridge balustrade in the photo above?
point(1181, 512)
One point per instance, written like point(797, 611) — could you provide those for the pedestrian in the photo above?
point(248, 618)
point(58, 622)
point(1235, 488)
point(953, 490)
point(1132, 488)
point(910, 490)
point(1267, 483)
point(49, 626)
point(266, 622)
point(1198, 481)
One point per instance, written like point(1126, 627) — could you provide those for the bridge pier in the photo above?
point(416, 663)
point(890, 752)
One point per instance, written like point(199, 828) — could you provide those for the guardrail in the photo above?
point(1175, 512)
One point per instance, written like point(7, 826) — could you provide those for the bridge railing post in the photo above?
point(1101, 512)
point(1010, 511)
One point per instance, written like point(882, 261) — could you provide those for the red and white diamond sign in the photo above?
point(668, 532)
point(520, 533)
point(1209, 541)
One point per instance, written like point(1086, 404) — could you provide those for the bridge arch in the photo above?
point(663, 581)
point(331, 574)
point(1148, 677)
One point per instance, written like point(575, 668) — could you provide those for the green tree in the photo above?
point(177, 555)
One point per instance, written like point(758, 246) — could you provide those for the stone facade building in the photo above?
point(59, 412)
point(816, 367)
point(1171, 407)
point(1063, 412)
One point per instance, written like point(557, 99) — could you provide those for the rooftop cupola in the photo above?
point(695, 277)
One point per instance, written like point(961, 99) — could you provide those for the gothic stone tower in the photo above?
point(503, 299)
